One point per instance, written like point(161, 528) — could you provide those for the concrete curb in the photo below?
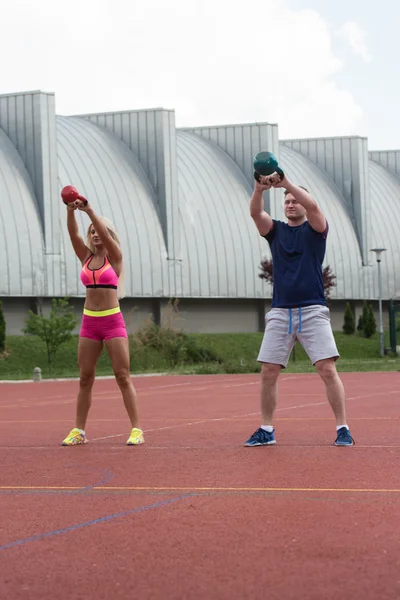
point(133, 375)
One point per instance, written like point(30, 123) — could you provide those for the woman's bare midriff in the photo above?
point(101, 299)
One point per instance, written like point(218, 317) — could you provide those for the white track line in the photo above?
point(242, 416)
point(141, 392)
point(147, 391)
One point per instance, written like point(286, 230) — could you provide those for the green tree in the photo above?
point(365, 313)
point(369, 323)
point(2, 329)
point(54, 330)
point(349, 325)
point(372, 319)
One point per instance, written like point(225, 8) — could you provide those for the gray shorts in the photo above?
point(310, 325)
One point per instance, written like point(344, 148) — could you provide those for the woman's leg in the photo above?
point(88, 354)
point(118, 349)
point(89, 351)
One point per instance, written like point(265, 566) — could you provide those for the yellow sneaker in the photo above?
point(136, 437)
point(74, 438)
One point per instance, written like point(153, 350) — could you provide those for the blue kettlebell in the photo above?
point(266, 163)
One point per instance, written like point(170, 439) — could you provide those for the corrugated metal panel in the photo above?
point(197, 202)
point(45, 148)
point(345, 160)
point(343, 251)
point(361, 196)
point(242, 143)
point(221, 247)
point(29, 121)
point(22, 271)
point(387, 158)
point(105, 170)
point(385, 202)
point(150, 134)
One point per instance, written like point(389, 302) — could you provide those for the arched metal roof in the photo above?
point(342, 250)
point(21, 241)
point(103, 168)
point(385, 214)
point(221, 248)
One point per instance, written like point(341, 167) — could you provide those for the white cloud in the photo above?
point(355, 36)
point(213, 62)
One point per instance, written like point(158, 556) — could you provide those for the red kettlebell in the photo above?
point(70, 195)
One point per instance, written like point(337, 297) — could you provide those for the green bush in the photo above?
point(364, 318)
point(54, 330)
point(369, 323)
point(2, 329)
point(176, 347)
point(371, 320)
point(349, 326)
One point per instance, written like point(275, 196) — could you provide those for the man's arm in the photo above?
point(261, 218)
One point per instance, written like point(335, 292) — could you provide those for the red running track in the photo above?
point(192, 514)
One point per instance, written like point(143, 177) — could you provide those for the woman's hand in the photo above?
point(83, 206)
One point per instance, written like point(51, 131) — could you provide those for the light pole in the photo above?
point(378, 252)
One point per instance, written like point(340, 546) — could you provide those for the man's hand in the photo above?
point(275, 180)
point(263, 185)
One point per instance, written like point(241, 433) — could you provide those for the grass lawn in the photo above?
point(235, 353)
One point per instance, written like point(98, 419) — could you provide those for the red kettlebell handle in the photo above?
point(69, 195)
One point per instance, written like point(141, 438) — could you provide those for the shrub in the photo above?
point(349, 326)
point(54, 330)
point(174, 345)
point(370, 323)
point(2, 329)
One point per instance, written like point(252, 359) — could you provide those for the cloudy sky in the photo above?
point(316, 68)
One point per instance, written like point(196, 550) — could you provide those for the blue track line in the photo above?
point(49, 534)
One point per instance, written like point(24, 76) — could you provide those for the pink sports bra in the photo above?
point(104, 277)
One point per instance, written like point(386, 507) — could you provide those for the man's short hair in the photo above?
point(300, 186)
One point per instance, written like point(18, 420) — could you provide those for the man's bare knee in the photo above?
point(270, 373)
point(326, 369)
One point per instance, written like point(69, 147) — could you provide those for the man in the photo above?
point(298, 310)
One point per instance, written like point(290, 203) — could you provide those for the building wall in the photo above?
point(216, 316)
point(193, 315)
point(15, 311)
point(180, 202)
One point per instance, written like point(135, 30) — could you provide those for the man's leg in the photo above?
point(274, 354)
point(326, 369)
point(269, 391)
point(316, 337)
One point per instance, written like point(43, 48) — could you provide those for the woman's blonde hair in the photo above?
point(113, 233)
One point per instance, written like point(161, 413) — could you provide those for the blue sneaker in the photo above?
point(261, 438)
point(344, 438)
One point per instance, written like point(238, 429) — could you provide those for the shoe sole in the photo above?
point(78, 444)
point(254, 445)
point(339, 444)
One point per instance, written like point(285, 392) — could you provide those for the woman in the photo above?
point(102, 321)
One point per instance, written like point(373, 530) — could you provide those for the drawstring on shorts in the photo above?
point(291, 320)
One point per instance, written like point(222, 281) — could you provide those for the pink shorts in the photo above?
point(103, 324)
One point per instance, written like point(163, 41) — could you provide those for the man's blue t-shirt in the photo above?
point(297, 257)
